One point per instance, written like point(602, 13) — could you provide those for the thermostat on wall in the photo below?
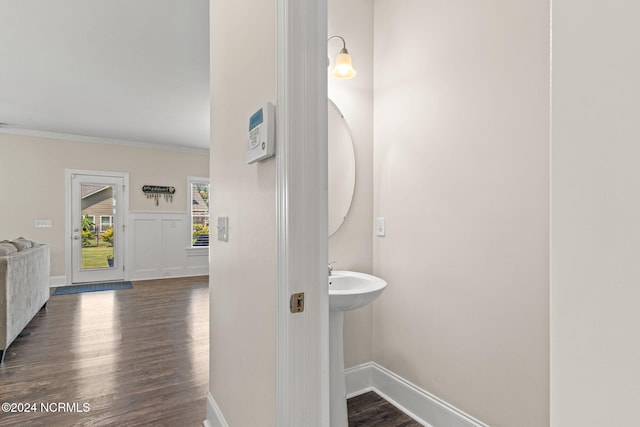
point(261, 137)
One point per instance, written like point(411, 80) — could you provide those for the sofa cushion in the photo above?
point(21, 244)
point(6, 248)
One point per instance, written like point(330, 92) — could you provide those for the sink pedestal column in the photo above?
point(337, 382)
point(348, 290)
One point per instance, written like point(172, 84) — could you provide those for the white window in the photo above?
point(199, 209)
point(106, 221)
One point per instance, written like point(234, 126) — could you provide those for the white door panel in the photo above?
point(97, 225)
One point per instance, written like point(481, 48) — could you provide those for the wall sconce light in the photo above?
point(343, 68)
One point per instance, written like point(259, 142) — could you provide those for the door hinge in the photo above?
point(122, 267)
point(296, 303)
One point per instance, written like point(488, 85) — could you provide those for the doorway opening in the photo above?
point(95, 214)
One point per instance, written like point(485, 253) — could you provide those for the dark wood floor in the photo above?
point(136, 356)
point(371, 410)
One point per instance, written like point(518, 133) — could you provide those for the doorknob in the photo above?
point(76, 237)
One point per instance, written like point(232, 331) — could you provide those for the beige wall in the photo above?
point(595, 239)
point(461, 173)
point(33, 186)
point(351, 246)
point(243, 270)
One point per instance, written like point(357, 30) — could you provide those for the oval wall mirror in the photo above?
point(341, 166)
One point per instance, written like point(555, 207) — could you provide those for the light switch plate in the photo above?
point(223, 228)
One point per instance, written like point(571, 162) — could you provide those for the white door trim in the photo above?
point(302, 377)
point(68, 173)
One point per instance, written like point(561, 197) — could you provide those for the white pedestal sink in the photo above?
point(348, 290)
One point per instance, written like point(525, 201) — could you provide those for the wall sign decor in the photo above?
point(156, 191)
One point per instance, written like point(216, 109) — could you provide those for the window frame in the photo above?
point(191, 181)
point(102, 230)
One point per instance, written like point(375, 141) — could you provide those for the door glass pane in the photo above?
point(98, 212)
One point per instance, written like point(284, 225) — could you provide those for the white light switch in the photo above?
point(380, 226)
point(223, 228)
point(43, 223)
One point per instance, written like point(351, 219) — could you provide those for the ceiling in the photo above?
point(117, 71)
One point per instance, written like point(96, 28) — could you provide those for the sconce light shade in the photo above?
point(344, 66)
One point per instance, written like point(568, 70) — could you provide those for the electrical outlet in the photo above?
point(380, 226)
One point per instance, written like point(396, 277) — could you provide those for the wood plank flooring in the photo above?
point(371, 410)
point(135, 356)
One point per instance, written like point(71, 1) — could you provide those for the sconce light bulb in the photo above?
point(344, 66)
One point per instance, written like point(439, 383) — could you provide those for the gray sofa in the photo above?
point(24, 286)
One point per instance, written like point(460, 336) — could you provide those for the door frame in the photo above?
point(302, 368)
point(68, 226)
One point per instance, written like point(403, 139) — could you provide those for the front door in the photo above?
point(97, 246)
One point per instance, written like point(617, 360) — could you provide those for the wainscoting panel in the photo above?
point(159, 247)
point(197, 258)
point(174, 255)
point(147, 239)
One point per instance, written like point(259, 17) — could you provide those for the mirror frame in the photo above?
point(339, 199)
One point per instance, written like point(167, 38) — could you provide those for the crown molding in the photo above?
point(97, 140)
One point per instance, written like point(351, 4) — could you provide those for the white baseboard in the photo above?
point(167, 274)
point(57, 281)
point(419, 404)
point(214, 414)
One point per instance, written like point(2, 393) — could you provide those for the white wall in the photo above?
point(243, 270)
point(32, 170)
point(351, 246)
point(595, 239)
point(461, 174)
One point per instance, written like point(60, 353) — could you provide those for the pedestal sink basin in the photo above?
point(348, 290)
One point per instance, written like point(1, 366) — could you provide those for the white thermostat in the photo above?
point(261, 137)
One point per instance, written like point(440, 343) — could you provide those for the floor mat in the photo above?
point(92, 287)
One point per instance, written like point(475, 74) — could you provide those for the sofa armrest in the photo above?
point(24, 289)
